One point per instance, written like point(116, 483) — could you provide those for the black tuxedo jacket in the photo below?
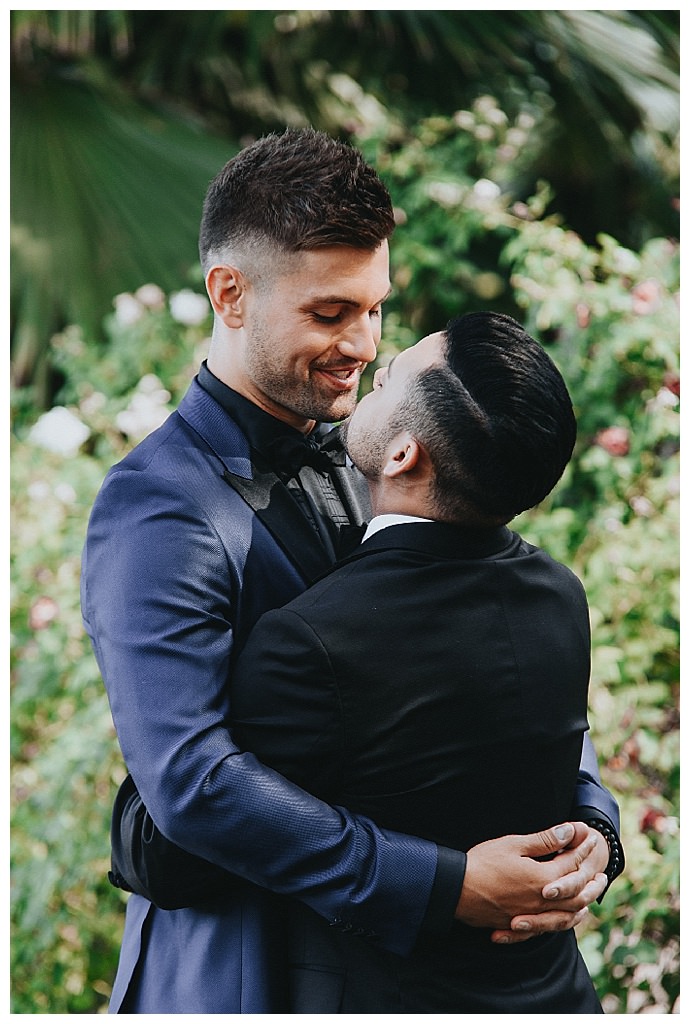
point(435, 681)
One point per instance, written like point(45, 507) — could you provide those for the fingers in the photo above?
point(576, 890)
point(527, 927)
point(540, 844)
point(578, 867)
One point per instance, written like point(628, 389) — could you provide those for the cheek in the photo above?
point(310, 342)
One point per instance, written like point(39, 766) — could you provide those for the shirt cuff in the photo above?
point(445, 891)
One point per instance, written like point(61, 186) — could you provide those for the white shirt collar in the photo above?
point(390, 519)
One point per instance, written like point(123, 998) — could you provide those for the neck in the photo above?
point(404, 501)
point(224, 364)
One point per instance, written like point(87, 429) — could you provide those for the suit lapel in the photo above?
point(262, 490)
point(282, 517)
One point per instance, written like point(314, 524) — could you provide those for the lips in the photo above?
point(341, 377)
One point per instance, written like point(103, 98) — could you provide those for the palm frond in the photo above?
point(105, 196)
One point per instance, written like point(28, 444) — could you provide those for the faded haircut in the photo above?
point(496, 420)
point(296, 191)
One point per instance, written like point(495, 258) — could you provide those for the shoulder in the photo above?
point(171, 490)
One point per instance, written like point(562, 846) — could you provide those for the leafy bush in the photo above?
point(609, 318)
point(66, 918)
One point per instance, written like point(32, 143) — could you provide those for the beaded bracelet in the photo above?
point(615, 864)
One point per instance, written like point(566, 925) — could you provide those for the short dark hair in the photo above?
point(497, 420)
point(299, 190)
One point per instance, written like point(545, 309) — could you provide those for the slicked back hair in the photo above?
point(497, 421)
point(296, 191)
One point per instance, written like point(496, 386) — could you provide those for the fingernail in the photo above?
point(562, 832)
point(552, 894)
point(523, 926)
point(503, 941)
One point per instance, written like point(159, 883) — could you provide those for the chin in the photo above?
point(337, 411)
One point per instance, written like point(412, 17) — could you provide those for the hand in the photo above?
point(578, 888)
point(506, 889)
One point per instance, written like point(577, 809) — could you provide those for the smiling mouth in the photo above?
point(343, 377)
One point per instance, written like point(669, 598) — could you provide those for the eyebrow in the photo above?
point(389, 367)
point(341, 300)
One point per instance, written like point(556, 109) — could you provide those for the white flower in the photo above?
point(484, 132)
point(151, 296)
point(65, 493)
point(38, 490)
point(445, 193)
point(641, 506)
point(485, 189)
point(146, 410)
point(663, 399)
point(464, 119)
point(59, 431)
point(625, 261)
point(128, 309)
point(188, 307)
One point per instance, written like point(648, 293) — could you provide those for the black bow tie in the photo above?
point(287, 454)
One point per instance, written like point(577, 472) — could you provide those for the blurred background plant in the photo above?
point(532, 159)
point(119, 119)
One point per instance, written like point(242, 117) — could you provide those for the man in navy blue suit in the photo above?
point(230, 509)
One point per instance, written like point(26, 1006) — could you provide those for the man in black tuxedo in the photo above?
point(442, 667)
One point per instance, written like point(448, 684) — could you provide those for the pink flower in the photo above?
point(646, 297)
point(583, 313)
point(614, 440)
point(672, 382)
point(653, 821)
point(42, 612)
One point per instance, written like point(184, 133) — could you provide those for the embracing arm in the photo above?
point(287, 708)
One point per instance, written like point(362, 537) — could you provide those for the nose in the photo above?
point(361, 340)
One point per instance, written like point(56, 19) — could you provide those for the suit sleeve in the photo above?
point(596, 806)
point(157, 608)
point(286, 708)
point(590, 792)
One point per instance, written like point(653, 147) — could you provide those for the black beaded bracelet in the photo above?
point(616, 862)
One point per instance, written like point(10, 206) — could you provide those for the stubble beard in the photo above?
point(305, 398)
point(367, 450)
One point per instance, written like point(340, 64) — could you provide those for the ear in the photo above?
point(227, 287)
point(404, 456)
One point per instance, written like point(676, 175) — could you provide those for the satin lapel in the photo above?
point(262, 490)
point(284, 520)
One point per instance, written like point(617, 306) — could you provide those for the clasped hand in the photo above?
point(506, 888)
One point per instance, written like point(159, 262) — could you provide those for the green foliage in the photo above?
point(120, 119)
point(609, 318)
point(66, 918)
